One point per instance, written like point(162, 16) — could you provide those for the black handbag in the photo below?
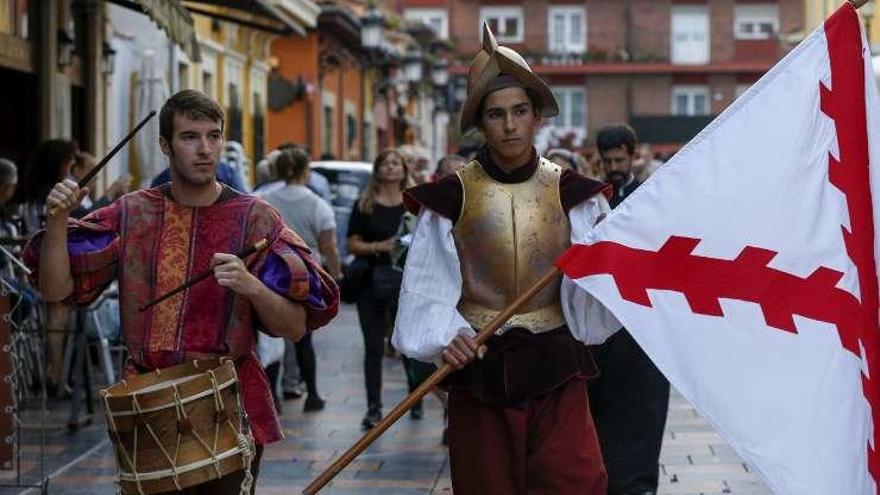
point(385, 282)
point(354, 276)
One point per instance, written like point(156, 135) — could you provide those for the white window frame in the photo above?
point(755, 15)
point(682, 52)
point(505, 12)
point(563, 120)
point(567, 46)
point(425, 15)
point(741, 89)
point(690, 91)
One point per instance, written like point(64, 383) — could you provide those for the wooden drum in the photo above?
point(178, 427)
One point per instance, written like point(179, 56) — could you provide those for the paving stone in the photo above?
point(408, 459)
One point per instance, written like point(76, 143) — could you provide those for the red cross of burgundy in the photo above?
point(704, 280)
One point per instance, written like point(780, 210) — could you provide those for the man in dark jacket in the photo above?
point(630, 397)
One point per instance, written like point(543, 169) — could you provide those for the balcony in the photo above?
point(668, 128)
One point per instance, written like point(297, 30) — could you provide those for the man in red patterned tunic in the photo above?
point(153, 240)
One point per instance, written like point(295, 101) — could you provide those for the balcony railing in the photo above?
point(668, 128)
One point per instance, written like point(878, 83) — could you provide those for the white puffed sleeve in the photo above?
point(427, 319)
point(589, 321)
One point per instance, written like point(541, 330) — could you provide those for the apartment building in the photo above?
point(664, 66)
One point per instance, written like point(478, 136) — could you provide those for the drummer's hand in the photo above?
point(230, 271)
point(462, 350)
point(65, 197)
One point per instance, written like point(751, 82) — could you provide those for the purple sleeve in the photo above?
point(289, 270)
point(80, 242)
point(276, 274)
point(93, 260)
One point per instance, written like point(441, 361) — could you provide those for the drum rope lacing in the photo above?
point(244, 447)
point(128, 460)
point(245, 443)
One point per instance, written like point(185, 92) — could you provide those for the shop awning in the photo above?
point(276, 16)
point(172, 18)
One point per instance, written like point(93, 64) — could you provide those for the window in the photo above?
point(572, 116)
point(328, 128)
point(259, 128)
point(182, 75)
point(208, 83)
point(436, 19)
point(505, 22)
point(233, 115)
point(690, 34)
point(567, 29)
point(351, 133)
point(756, 21)
point(690, 101)
point(741, 89)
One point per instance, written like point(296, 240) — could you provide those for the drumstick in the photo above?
point(97, 168)
point(259, 246)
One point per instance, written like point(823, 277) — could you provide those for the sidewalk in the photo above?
point(409, 458)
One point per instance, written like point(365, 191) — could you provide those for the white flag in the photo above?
point(746, 268)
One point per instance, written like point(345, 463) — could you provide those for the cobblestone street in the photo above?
point(409, 459)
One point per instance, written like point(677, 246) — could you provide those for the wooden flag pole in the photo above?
point(426, 386)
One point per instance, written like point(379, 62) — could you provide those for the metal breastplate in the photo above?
point(507, 236)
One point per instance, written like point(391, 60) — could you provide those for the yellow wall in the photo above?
point(819, 10)
point(249, 48)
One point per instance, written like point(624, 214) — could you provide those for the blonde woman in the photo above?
point(371, 238)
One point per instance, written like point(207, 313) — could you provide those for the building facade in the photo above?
point(51, 75)
point(223, 52)
point(664, 66)
point(319, 90)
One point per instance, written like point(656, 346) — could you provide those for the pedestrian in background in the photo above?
point(84, 164)
point(374, 222)
point(630, 397)
point(313, 219)
point(416, 162)
point(562, 157)
point(52, 162)
point(448, 165)
point(646, 163)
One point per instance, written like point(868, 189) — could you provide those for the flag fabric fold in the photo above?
point(746, 268)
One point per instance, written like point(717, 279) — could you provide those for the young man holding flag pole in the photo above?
point(519, 418)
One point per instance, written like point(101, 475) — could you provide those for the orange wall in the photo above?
point(345, 83)
point(297, 56)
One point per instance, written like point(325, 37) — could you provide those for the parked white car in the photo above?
point(347, 180)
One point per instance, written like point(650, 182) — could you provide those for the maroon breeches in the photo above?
point(548, 447)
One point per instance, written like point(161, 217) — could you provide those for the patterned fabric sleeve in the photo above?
point(93, 246)
point(291, 272)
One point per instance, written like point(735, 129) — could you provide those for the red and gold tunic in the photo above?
point(152, 244)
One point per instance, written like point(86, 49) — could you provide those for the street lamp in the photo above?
point(372, 39)
point(459, 92)
point(412, 65)
point(440, 80)
point(65, 48)
point(440, 72)
point(108, 59)
point(371, 29)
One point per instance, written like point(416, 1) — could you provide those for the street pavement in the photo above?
point(408, 460)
